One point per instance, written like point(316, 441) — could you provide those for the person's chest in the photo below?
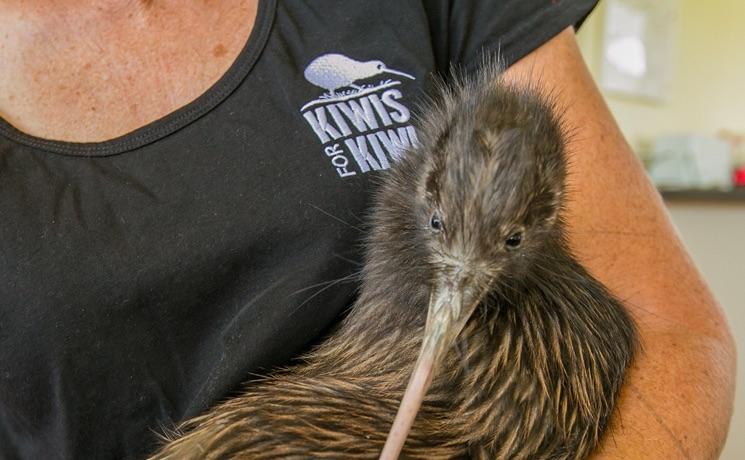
point(84, 73)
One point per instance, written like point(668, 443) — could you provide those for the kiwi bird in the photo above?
point(469, 291)
point(334, 71)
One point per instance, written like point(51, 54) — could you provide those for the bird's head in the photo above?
point(476, 203)
point(489, 184)
point(478, 200)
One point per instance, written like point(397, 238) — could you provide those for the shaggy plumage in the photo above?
point(538, 367)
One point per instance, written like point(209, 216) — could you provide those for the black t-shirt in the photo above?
point(142, 279)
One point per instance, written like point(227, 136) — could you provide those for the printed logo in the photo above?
point(356, 118)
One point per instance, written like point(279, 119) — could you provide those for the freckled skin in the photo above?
point(61, 58)
point(219, 50)
point(535, 373)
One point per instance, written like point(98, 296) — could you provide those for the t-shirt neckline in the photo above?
point(175, 120)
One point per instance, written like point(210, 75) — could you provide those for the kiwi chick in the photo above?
point(469, 222)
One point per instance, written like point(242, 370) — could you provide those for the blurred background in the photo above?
point(673, 73)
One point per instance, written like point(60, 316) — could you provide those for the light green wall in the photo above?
point(708, 88)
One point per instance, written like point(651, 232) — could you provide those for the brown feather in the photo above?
point(537, 369)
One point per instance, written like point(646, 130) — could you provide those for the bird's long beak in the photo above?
point(398, 72)
point(450, 306)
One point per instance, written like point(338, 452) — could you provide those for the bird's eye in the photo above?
point(436, 222)
point(514, 240)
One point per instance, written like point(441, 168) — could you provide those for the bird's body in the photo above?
point(473, 213)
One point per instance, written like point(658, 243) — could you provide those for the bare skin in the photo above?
point(63, 78)
point(93, 70)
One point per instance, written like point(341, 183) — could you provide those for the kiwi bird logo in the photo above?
point(334, 72)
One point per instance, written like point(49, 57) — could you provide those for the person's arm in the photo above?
point(677, 399)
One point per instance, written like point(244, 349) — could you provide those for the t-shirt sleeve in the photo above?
point(463, 31)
